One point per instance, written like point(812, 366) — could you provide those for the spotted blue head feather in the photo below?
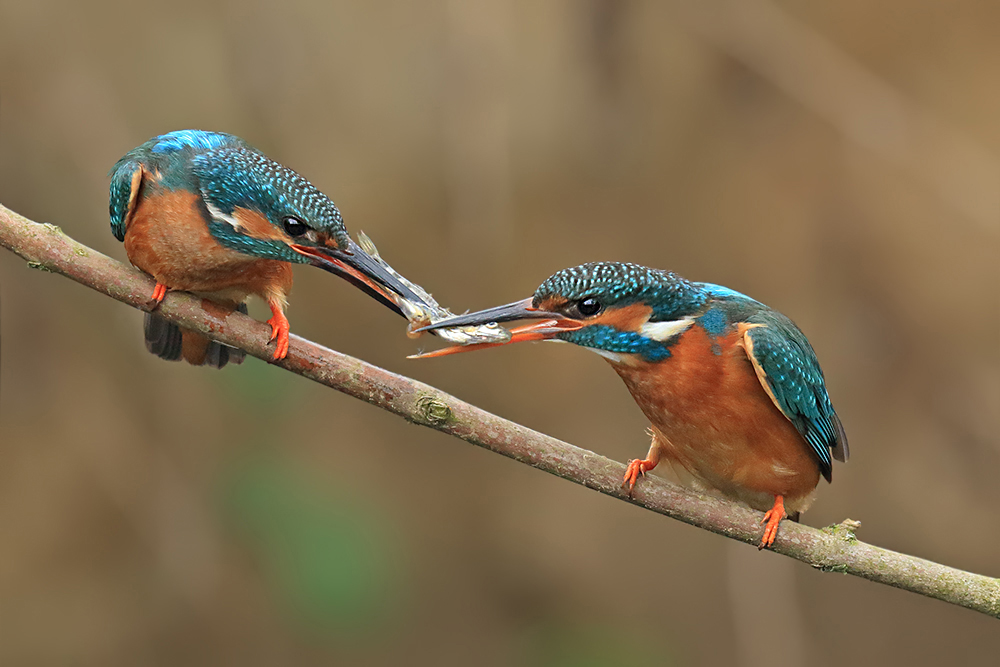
point(786, 360)
point(621, 284)
point(228, 173)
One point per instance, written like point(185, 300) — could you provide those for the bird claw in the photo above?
point(159, 293)
point(279, 333)
point(772, 518)
point(636, 468)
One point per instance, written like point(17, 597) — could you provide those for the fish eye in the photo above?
point(293, 226)
point(589, 306)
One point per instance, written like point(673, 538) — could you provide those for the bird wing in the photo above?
point(790, 374)
point(126, 180)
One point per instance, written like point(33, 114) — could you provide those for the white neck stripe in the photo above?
point(220, 216)
point(661, 331)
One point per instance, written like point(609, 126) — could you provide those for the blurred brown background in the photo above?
point(840, 162)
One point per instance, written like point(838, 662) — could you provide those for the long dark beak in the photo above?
point(361, 270)
point(551, 325)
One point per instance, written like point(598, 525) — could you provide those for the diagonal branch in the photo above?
point(832, 549)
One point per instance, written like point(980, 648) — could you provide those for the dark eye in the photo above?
point(294, 227)
point(589, 307)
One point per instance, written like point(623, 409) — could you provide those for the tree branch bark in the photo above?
point(831, 549)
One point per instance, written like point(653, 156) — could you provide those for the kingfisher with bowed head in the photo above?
point(207, 213)
point(733, 389)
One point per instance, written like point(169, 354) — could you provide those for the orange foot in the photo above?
point(772, 518)
point(636, 468)
point(159, 292)
point(279, 332)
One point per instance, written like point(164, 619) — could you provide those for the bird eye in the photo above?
point(589, 307)
point(293, 226)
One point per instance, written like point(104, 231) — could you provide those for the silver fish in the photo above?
point(429, 311)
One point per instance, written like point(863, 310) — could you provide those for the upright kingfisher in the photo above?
point(207, 213)
point(733, 389)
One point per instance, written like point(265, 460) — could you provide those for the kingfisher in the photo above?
point(733, 389)
point(207, 213)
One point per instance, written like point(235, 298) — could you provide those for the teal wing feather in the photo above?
point(122, 179)
point(784, 357)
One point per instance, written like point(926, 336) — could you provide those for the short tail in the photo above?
point(168, 341)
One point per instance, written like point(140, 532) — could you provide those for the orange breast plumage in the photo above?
point(712, 417)
point(168, 238)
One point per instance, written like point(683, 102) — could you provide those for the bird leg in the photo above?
point(637, 467)
point(772, 518)
point(279, 329)
point(159, 292)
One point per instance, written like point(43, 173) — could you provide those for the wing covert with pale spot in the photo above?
point(786, 363)
point(125, 177)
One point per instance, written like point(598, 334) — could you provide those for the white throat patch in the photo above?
point(658, 331)
point(220, 216)
point(662, 331)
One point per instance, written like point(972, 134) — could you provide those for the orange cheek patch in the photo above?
point(552, 303)
point(627, 318)
point(256, 225)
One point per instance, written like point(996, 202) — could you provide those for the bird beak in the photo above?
point(361, 270)
point(551, 325)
